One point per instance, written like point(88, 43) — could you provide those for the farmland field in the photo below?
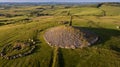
point(21, 23)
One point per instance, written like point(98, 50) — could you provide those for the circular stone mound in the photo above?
point(69, 37)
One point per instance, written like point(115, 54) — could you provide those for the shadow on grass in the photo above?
point(103, 34)
point(115, 48)
point(51, 60)
point(61, 59)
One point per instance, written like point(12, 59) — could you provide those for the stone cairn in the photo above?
point(31, 44)
point(69, 37)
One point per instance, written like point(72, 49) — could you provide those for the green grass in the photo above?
point(76, 11)
point(105, 53)
point(111, 10)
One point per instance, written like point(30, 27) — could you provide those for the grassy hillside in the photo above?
point(76, 11)
point(105, 53)
point(111, 10)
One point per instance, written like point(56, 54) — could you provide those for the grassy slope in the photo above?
point(111, 10)
point(11, 33)
point(75, 11)
point(105, 53)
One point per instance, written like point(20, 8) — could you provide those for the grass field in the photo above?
point(104, 53)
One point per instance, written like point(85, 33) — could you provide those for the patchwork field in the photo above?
point(30, 22)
